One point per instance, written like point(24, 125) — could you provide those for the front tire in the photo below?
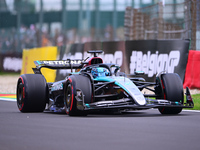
point(81, 84)
point(31, 93)
point(172, 88)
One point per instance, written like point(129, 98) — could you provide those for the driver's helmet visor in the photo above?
point(99, 72)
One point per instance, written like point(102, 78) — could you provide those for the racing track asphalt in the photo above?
point(137, 130)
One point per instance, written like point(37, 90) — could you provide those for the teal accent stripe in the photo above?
point(38, 62)
point(87, 105)
point(117, 83)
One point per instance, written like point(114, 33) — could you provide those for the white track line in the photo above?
point(8, 99)
point(192, 110)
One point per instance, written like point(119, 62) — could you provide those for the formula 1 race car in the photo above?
point(97, 86)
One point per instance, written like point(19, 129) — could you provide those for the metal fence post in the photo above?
point(193, 13)
point(80, 20)
point(114, 20)
point(40, 23)
point(97, 22)
point(18, 25)
point(160, 21)
point(88, 16)
point(64, 15)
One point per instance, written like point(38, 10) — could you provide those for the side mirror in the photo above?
point(116, 69)
point(139, 72)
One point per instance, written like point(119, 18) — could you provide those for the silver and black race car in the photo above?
point(96, 86)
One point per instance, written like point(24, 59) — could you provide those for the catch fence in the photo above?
point(164, 21)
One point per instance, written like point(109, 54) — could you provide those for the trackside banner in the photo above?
point(149, 56)
point(44, 53)
point(10, 62)
point(71, 51)
point(113, 51)
point(154, 56)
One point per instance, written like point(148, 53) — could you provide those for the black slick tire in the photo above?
point(74, 83)
point(172, 91)
point(32, 93)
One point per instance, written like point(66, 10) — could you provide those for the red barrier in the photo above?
point(192, 74)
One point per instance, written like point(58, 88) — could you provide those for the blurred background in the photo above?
point(39, 23)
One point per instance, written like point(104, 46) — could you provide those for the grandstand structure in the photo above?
point(37, 23)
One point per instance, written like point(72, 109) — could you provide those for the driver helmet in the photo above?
point(99, 72)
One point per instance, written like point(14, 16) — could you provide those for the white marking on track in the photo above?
point(192, 110)
point(14, 100)
point(8, 99)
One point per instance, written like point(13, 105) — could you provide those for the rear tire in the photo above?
point(74, 83)
point(172, 91)
point(32, 93)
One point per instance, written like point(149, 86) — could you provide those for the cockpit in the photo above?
point(100, 72)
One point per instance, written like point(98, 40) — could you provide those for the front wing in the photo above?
point(127, 103)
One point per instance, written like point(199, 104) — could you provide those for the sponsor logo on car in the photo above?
point(61, 62)
point(57, 87)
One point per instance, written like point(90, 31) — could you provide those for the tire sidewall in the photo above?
point(34, 94)
point(73, 83)
point(172, 90)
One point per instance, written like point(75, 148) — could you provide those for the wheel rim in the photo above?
point(20, 95)
point(68, 98)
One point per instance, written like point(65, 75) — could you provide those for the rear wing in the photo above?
point(57, 64)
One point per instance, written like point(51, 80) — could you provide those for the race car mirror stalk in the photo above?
point(139, 73)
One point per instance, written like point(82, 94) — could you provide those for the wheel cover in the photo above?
point(20, 95)
point(68, 98)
